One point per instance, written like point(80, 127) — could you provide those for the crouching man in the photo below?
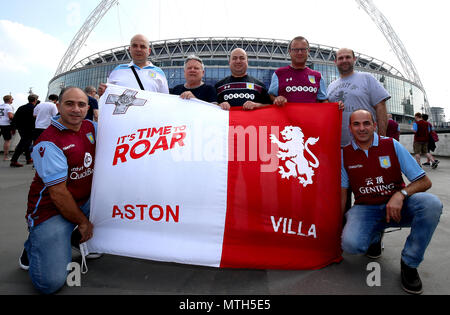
point(59, 195)
point(372, 167)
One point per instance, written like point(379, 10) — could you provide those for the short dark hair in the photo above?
point(425, 117)
point(32, 98)
point(53, 98)
point(353, 52)
point(418, 115)
point(298, 38)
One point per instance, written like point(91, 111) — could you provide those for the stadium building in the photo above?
point(264, 57)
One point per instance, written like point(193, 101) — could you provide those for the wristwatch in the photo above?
point(404, 193)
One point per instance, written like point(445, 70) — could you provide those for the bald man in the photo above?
point(241, 89)
point(373, 167)
point(357, 90)
point(145, 75)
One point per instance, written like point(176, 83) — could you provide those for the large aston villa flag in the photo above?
point(184, 181)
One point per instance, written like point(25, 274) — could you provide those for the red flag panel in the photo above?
point(284, 223)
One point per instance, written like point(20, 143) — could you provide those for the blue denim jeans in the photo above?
point(50, 252)
point(421, 212)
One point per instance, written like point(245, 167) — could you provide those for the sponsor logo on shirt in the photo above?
point(246, 96)
point(84, 171)
point(310, 89)
point(377, 186)
point(355, 166)
point(80, 174)
point(69, 147)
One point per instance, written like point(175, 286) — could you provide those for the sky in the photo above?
point(34, 35)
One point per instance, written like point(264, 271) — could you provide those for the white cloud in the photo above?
point(9, 63)
point(25, 47)
point(28, 59)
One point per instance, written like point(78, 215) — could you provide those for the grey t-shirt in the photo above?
point(358, 91)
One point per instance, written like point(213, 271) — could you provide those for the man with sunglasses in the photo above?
point(297, 83)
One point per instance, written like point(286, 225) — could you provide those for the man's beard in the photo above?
point(346, 71)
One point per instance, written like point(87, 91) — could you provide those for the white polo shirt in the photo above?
point(44, 113)
point(153, 78)
point(4, 117)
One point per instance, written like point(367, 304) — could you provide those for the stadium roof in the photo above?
point(221, 47)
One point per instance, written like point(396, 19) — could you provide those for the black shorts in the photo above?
point(6, 132)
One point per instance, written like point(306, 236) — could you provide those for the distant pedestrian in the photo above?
point(43, 112)
point(6, 116)
point(393, 129)
point(422, 131)
point(431, 143)
point(24, 122)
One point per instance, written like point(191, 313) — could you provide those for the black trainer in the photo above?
point(434, 164)
point(376, 249)
point(426, 163)
point(411, 282)
point(24, 263)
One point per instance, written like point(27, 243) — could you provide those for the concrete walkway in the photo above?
point(120, 275)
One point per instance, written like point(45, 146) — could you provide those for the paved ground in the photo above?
point(120, 275)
